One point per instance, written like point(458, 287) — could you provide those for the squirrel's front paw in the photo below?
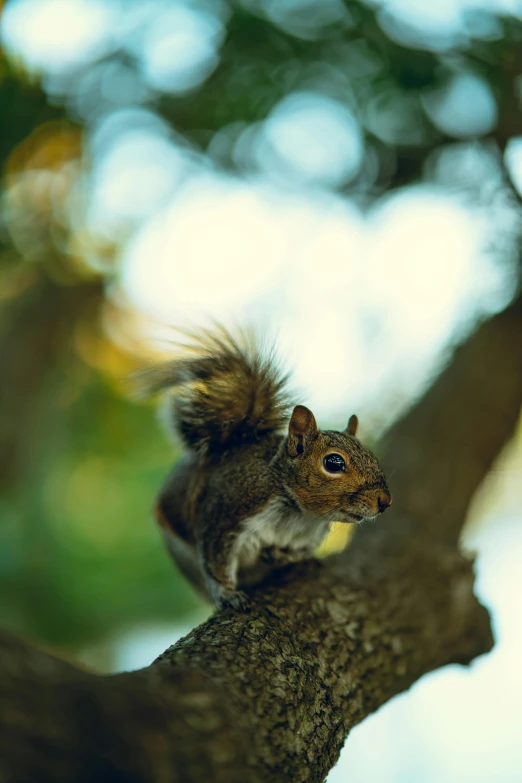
point(237, 600)
point(226, 596)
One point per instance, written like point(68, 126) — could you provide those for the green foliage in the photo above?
point(81, 555)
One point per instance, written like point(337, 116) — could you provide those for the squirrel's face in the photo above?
point(333, 474)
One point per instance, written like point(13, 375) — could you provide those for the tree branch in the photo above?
point(271, 693)
point(446, 444)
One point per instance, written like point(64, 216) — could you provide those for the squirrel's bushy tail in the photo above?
point(226, 390)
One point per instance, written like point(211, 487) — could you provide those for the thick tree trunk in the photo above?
point(272, 692)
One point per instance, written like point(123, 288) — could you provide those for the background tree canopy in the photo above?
point(113, 113)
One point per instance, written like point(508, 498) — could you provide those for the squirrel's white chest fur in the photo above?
point(276, 526)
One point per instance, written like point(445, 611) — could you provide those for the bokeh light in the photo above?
point(57, 35)
point(291, 141)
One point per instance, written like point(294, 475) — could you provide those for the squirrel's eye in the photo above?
point(334, 463)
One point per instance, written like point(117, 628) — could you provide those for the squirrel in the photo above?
point(248, 497)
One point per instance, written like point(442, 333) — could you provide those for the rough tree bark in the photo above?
point(272, 692)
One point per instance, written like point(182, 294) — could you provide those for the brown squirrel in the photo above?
point(247, 497)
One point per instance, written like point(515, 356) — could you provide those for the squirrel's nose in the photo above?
point(383, 501)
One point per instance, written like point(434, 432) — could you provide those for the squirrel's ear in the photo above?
point(353, 423)
point(302, 430)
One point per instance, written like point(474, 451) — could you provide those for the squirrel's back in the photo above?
point(226, 391)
